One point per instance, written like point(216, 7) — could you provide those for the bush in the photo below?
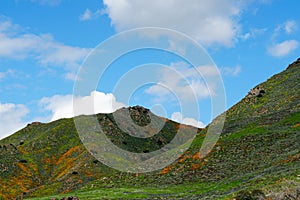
point(244, 195)
point(258, 195)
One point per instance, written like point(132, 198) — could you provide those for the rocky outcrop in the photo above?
point(140, 115)
point(257, 92)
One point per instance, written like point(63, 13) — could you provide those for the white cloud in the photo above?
point(284, 48)
point(15, 44)
point(177, 117)
point(287, 28)
point(54, 53)
point(71, 76)
point(246, 36)
point(173, 46)
point(7, 73)
point(89, 15)
point(258, 31)
point(209, 22)
point(61, 106)
point(231, 71)
point(183, 81)
point(6, 25)
point(11, 116)
point(253, 33)
point(290, 26)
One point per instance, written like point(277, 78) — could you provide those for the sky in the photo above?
point(46, 46)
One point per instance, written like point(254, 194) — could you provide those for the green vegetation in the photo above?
point(258, 152)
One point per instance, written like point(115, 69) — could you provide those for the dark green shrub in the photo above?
point(258, 195)
point(244, 195)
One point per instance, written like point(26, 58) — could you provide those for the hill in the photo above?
point(44, 159)
point(258, 149)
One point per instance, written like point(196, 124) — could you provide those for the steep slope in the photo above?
point(260, 142)
point(258, 149)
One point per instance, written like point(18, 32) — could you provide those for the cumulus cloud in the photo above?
point(89, 15)
point(212, 22)
point(61, 106)
point(177, 117)
point(12, 118)
point(284, 48)
point(15, 44)
point(183, 81)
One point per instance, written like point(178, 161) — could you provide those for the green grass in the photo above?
point(173, 191)
point(225, 189)
point(251, 130)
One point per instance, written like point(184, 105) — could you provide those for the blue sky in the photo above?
point(43, 45)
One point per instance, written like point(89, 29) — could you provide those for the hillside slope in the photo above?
point(260, 142)
point(44, 159)
point(259, 148)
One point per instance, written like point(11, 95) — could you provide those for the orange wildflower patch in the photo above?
point(183, 159)
point(195, 166)
point(296, 125)
point(66, 191)
point(22, 150)
point(66, 166)
point(23, 167)
point(203, 163)
point(197, 156)
point(68, 154)
point(88, 173)
point(291, 159)
point(165, 170)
